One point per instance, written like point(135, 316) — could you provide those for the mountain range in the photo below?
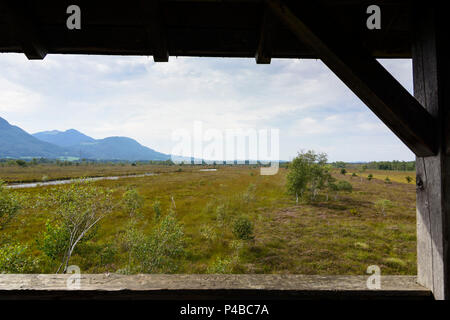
point(17, 143)
point(63, 139)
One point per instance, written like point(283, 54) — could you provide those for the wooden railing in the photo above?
point(147, 287)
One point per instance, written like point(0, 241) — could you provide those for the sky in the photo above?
point(105, 96)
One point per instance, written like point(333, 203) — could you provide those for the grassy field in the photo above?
point(44, 172)
point(396, 176)
point(343, 234)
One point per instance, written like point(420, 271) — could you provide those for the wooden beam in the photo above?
point(432, 88)
point(24, 30)
point(192, 28)
point(263, 53)
point(156, 31)
point(207, 287)
point(367, 78)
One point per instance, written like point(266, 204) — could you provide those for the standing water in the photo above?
point(68, 181)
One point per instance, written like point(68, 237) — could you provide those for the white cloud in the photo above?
point(16, 99)
point(132, 96)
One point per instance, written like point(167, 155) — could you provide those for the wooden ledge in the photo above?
point(165, 287)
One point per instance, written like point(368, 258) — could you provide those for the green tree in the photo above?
point(157, 209)
point(9, 205)
point(298, 175)
point(331, 185)
point(158, 251)
point(343, 171)
point(54, 241)
point(16, 259)
point(307, 170)
point(320, 173)
point(370, 177)
point(339, 164)
point(79, 209)
point(132, 203)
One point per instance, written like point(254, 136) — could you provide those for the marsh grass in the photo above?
point(338, 236)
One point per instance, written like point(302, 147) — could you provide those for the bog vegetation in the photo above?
point(313, 217)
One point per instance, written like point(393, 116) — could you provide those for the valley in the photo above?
point(337, 233)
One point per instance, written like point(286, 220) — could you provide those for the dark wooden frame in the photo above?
point(421, 122)
point(258, 287)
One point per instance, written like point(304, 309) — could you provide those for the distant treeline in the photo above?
point(380, 165)
point(78, 162)
point(393, 165)
point(63, 163)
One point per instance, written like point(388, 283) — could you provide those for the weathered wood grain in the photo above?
point(431, 78)
point(144, 286)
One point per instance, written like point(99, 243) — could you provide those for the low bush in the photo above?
point(16, 259)
point(382, 205)
point(132, 203)
point(157, 209)
point(9, 205)
point(243, 229)
point(158, 251)
point(344, 186)
point(54, 241)
point(220, 266)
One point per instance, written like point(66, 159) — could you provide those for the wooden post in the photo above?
point(431, 88)
point(155, 29)
point(263, 53)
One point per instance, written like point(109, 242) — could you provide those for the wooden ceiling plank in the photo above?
point(24, 30)
point(156, 30)
point(264, 50)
